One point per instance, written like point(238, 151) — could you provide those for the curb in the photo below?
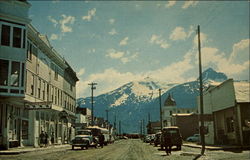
point(218, 148)
point(20, 151)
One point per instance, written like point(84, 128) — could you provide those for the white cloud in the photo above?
point(112, 53)
point(81, 72)
point(55, 23)
point(174, 72)
point(170, 4)
point(107, 80)
point(124, 57)
point(233, 65)
point(111, 21)
point(203, 39)
point(93, 50)
point(54, 36)
point(65, 21)
point(112, 32)
point(179, 33)
point(188, 3)
point(91, 14)
point(155, 39)
point(124, 42)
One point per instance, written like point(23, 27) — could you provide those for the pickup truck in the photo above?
point(83, 138)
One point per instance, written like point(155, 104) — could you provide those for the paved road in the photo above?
point(126, 150)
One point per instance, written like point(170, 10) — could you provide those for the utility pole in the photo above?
point(120, 128)
point(107, 115)
point(92, 102)
point(143, 128)
point(201, 97)
point(160, 108)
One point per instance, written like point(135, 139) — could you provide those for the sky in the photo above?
point(116, 42)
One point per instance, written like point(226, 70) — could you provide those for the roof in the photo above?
point(242, 91)
point(170, 101)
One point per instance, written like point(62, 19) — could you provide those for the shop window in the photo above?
point(5, 39)
point(14, 76)
point(25, 129)
point(17, 36)
point(4, 68)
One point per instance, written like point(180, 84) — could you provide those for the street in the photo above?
point(131, 149)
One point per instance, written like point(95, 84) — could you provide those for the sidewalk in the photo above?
point(215, 147)
point(19, 150)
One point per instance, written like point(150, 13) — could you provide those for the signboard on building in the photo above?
point(38, 105)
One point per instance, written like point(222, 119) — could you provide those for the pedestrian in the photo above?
point(101, 140)
point(46, 139)
point(167, 142)
point(42, 137)
point(52, 138)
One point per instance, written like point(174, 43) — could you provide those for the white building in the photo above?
point(169, 109)
point(37, 86)
point(227, 113)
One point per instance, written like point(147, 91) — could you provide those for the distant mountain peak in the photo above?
point(211, 74)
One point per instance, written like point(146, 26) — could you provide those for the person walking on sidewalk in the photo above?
point(42, 139)
point(46, 140)
point(101, 139)
point(167, 142)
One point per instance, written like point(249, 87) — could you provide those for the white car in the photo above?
point(194, 138)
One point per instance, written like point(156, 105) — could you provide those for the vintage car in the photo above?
point(83, 139)
point(176, 138)
point(194, 138)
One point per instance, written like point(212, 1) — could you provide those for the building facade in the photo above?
point(228, 106)
point(37, 85)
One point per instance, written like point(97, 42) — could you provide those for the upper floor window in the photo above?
point(17, 36)
point(5, 39)
point(15, 72)
point(4, 69)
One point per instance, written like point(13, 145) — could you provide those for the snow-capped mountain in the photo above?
point(133, 101)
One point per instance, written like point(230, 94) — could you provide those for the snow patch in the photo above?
point(120, 100)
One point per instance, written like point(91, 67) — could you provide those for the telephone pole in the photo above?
point(160, 108)
point(92, 102)
point(201, 97)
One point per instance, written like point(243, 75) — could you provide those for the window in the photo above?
point(29, 51)
point(17, 36)
point(22, 75)
point(5, 40)
point(25, 127)
point(15, 71)
point(32, 85)
point(24, 38)
point(47, 92)
point(71, 87)
point(39, 88)
point(4, 68)
point(230, 124)
point(44, 88)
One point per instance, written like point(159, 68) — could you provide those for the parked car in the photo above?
point(84, 138)
point(194, 138)
point(176, 137)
